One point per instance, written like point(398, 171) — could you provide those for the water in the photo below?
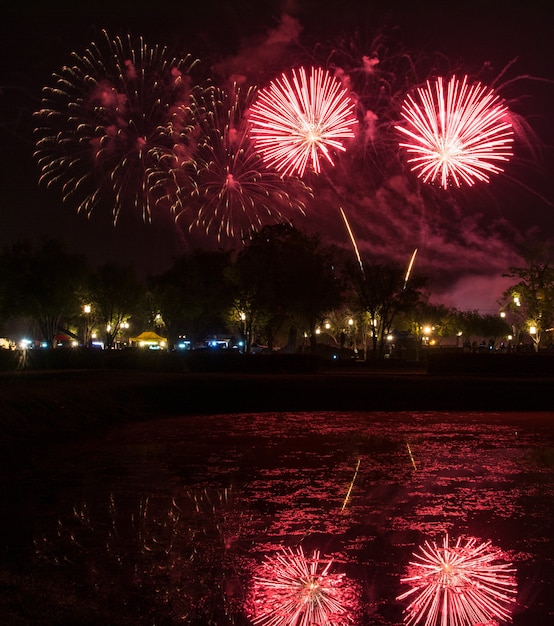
point(168, 522)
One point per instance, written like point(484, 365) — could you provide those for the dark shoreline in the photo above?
point(36, 403)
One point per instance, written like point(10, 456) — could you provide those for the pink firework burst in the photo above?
point(457, 134)
point(295, 590)
point(300, 119)
point(459, 585)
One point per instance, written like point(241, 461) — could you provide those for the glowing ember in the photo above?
point(459, 585)
point(456, 135)
point(298, 120)
point(295, 590)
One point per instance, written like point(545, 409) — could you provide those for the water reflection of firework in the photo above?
point(298, 120)
point(151, 547)
point(235, 193)
point(458, 585)
point(292, 589)
point(458, 133)
point(108, 128)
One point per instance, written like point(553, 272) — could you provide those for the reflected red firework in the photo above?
point(458, 585)
point(115, 125)
point(300, 119)
point(295, 590)
point(458, 134)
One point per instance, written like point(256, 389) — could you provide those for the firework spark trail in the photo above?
point(295, 590)
point(297, 121)
point(347, 497)
point(352, 238)
point(457, 135)
point(410, 265)
point(458, 585)
point(115, 124)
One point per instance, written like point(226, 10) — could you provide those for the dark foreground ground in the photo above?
point(60, 399)
point(46, 404)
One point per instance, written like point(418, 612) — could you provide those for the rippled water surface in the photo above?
point(167, 522)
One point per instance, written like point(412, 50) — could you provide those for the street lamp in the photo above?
point(86, 310)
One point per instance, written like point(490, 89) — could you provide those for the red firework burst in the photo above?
point(457, 135)
point(298, 120)
point(235, 193)
point(295, 590)
point(459, 585)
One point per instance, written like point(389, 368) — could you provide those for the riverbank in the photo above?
point(41, 402)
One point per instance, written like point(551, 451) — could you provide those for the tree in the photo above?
point(285, 275)
point(42, 283)
point(116, 295)
point(193, 296)
point(530, 301)
point(383, 292)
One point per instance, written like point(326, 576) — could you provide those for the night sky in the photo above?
point(465, 239)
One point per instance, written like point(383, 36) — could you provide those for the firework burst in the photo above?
point(457, 134)
point(458, 585)
point(300, 119)
point(295, 590)
point(235, 194)
point(115, 124)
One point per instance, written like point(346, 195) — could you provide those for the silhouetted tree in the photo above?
point(287, 275)
point(382, 292)
point(116, 295)
point(42, 283)
point(530, 301)
point(193, 296)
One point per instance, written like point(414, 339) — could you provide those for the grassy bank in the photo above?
point(44, 399)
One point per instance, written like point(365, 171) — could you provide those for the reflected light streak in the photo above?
point(411, 455)
point(351, 486)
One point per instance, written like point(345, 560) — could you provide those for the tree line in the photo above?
point(284, 289)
